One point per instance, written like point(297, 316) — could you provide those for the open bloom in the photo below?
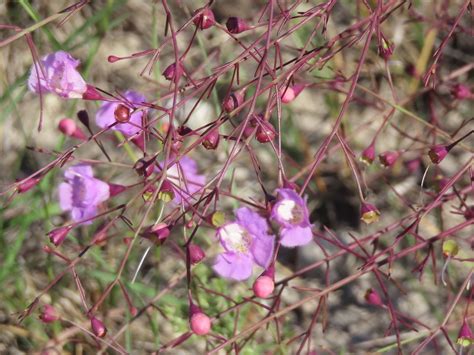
point(246, 242)
point(57, 74)
point(82, 193)
point(106, 115)
point(291, 213)
point(185, 179)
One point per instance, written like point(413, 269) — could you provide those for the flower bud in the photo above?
point(373, 298)
point(91, 93)
point(196, 254)
point(27, 185)
point(48, 314)
point(413, 165)
point(57, 236)
point(368, 155)
point(265, 132)
point(289, 93)
point(199, 322)
point(122, 113)
point(465, 336)
point(211, 139)
point(158, 232)
point(387, 159)
point(369, 213)
point(98, 327)
point(69, 128)
point(166, 193)
point(461, 92)
point(205, 19)
point(233, 101)
point(113, 58)
point(263, 286)
point(438, 153)
point(173, 72)
point(236, 25)
point(469, 213)
point(115, 189)
point(386, 49)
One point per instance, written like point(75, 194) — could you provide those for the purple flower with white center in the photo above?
point(82, 193)
point(105, 116)
point(246, 242)
point(57, 74)
point(185, 179)
point(291, 213)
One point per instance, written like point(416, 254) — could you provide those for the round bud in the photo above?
point(263, 286)
point(98, 328)
point(265, 132)
point(122, 113)
point(200, 323)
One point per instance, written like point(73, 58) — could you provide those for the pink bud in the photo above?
point(236, 25)
point(200, 323)
point(27, 185)
point(368, 155)
point(233, 101)
point(205, 19)
point(438, 153)
point(373, 298)
point(469, 212)
point(461, 92)
point(263, 286)
point(211, 139)
point(289, 93)
point(69, 128)
point(92, 94)
point(387, 159)
point(465, 336)
point(57, 236)
point(115, 189)
point(112, 58)
point(48, 314)
point(98, 328)
point(159, 231)
point(369, 213)
point(173, 72)
point(196, 254)
point(265, 132)
point(166, 193)
point(386, 49)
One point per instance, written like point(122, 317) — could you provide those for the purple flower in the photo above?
point(105, 116)
point(82, 193)
point(185, 179)
point(57, 74)
point(246, 242)
point(291, 213)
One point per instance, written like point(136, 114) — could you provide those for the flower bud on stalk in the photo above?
point(69, 128)
point(289, 93)
point(211, 139)
point(205, 20)
point(173, 72)
point(236, 25)
point(27, 185)
point(196, 254)
point(265, 284)
point(233, 101)
point(373, 298)
point(387, 159)
point(98, 327)
point(265, 132)
point(465, 336)
point(48, 314)
point(57, 236)
point(122, 113)
point(461, 92)
point(368, 155)
point(199, 322)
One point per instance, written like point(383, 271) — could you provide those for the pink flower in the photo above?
point(291, 213)
point(56, 73)
point(105, 116)
point(246, 242)
point(82, 193)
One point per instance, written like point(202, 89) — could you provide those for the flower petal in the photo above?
point(252, 221)
point(65, 196)
point(262, 249)
point(296, 236)
point(234, 266)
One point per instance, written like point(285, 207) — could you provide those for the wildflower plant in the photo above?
point(205, 187)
